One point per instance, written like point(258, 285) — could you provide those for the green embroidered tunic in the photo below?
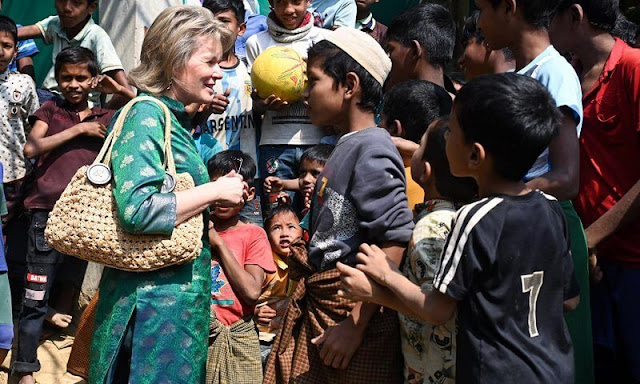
point(171, 305)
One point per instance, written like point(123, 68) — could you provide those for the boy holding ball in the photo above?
point(287, 130)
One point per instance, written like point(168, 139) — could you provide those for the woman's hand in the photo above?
point(231, 190)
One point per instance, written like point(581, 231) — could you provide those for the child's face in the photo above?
point(562, 31)
point(290, 13)
point(284, 230)
point(309, 171)
point(74, 12)
point(74, 81)
point(8, 50)
point(229, 19)
point(401, 66)
point(474, 60)
point(493, 23)
point(364, 5)
point(323, 96)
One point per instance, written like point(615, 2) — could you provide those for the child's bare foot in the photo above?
point(58, 319)
point(27, 379)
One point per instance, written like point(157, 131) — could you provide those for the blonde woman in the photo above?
point(152, 327)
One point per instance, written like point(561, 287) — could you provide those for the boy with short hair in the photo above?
point(312, 163)
point(477, 59)
point(231, 122)
point(420, 43)
point(430, 350)
point(241, 258)
point(283, 229)
point(17, 102)
point(523, 27)
point(408, 109)
point(367, 24)
point(359, 197)
point(67, 134)
point(286, 130)
point(74, 26)
point(506, 265)
point(607, 201)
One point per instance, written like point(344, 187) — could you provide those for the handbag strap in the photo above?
point(104, 156)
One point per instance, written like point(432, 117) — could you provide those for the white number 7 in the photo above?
point(532, 284)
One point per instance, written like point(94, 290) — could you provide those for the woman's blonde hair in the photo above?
point(170, 42)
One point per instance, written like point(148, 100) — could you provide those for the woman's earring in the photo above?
point(170, 85)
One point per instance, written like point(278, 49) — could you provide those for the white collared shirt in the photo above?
point(92, 37)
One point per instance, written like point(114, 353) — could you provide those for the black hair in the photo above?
point(626, 30)
point(318, 153)
point(415, 103)
point(336, 63)
point(76, 55)
point(538, 13)
point(457, 189)
point(471, 31)
point(279, 210)
point(432, 26)
point(226, 161)
point(217, 6)
point(512, 116)
point(602, 14)
point(9, 26)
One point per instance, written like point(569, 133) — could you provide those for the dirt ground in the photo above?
point(53, 354)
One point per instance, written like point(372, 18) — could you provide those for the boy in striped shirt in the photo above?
point(506, 266)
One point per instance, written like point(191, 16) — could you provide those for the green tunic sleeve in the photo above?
point(138, 173)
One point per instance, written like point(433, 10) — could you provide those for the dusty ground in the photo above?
point(53, 354)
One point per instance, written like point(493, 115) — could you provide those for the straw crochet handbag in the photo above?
point(84, 221)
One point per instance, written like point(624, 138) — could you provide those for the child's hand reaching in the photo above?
point(265, 314)
point(219, 103)
point(272, 102)
point(307, 199)
point(105, 84)
point(283, 198)
point(375, 263)
point(273, 184)
point(355, 285)
point(108, 85)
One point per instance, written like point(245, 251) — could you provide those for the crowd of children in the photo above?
point(396, 227)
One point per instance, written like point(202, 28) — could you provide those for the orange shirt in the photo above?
point(275, 292)
point(415, 193)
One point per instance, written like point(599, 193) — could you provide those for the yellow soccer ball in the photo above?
point(279, 71)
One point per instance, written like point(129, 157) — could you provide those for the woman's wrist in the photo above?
point(212, 192)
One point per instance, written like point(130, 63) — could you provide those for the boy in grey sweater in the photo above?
point(359, 198)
